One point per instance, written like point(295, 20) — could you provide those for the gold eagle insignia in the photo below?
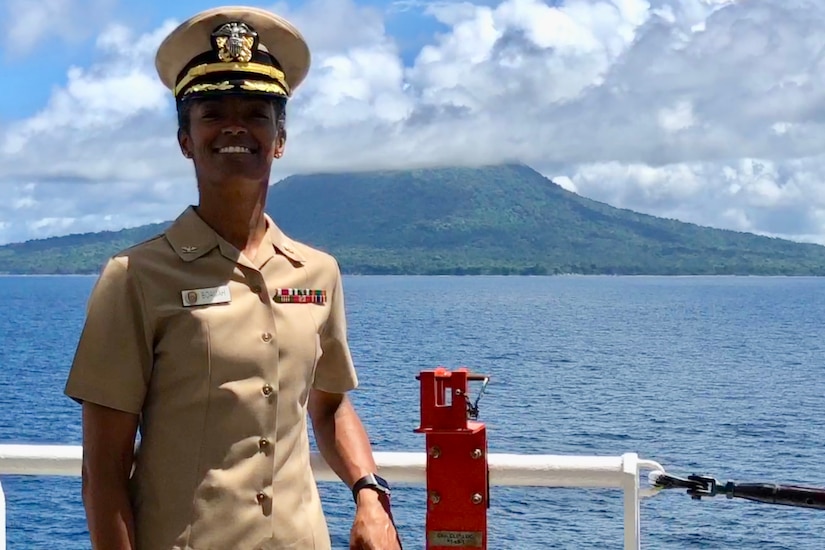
point(235, 42)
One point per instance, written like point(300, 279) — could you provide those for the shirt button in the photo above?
point(267, 389)
point(260, 497)
point(263, 444)
point(266, 337)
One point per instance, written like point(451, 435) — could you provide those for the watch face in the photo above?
point(382, 482)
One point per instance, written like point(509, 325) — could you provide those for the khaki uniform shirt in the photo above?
point(184, 330)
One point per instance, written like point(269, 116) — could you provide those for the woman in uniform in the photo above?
point(216, 339)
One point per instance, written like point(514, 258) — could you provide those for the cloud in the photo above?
point(111, 120)
point(27, 24)
point(781, 199)
point(709, 111)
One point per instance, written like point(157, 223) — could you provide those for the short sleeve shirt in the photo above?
point(217, 353)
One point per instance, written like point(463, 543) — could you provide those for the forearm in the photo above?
point(345, 446)
point(108, 453)
point(108, 509)
point(343, 441)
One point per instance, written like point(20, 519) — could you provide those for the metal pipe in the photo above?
point(2, 519)
point(513, 470)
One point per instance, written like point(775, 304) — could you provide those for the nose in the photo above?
point(233, 130)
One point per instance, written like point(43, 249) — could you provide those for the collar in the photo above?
point(191, 238)
point(285, 246)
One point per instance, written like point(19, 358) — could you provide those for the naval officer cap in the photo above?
point(233, 50)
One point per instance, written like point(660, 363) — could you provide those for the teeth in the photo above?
point(234, 150)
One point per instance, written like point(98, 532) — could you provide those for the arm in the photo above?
point(341, 436)
point(108, 450)
point(343, 442)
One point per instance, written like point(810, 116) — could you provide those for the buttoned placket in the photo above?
point(268, 336)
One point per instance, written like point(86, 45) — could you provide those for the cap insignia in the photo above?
point(208, 87)
point(235, 42)
point(257, 86)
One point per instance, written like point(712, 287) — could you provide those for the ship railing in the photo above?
point(405, 468)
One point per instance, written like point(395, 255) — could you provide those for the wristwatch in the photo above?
point(370, 481)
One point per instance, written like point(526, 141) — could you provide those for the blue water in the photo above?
point(719, 376)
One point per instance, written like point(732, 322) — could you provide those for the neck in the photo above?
point(237, 215)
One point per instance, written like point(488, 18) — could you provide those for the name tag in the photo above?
point(206, 296)
point(300, 296)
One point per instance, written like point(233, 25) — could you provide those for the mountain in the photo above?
point(491, 220)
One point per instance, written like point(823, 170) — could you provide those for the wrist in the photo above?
point(370, 488)
point(367, 497)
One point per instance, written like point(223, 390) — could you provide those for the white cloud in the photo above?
point(679, 117)
point(106, 121)
point(709, 111)
point(781, 199)
point(27, 23)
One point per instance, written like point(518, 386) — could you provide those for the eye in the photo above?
point(209, 110)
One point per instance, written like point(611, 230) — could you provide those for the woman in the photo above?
point(218, 336)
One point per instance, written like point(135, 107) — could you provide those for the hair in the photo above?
point(185, 113)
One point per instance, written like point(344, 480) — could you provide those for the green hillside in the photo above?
point(71, 254)
point(492, 220)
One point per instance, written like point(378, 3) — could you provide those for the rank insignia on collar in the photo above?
point(299, 296)
point(235, 42)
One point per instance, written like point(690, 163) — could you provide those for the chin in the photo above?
point(238, 180)
point(216, 179)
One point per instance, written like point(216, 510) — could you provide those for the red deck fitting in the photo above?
point(458, 489)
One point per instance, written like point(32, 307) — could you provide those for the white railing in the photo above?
point(618, 472)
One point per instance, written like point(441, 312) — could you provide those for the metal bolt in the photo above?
point(458, 391)
point(435, 452)
point(477, 498)
point(435, 498)
point(476, 454)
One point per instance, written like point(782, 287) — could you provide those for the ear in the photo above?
point(185, 143)
point(280, 143)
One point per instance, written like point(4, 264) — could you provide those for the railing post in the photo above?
point(630, 484)
point(2, 519)
point(457, 471)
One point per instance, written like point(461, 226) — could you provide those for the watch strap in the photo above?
point(370, 481)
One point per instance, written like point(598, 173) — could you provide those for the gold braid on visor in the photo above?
point(239, 67)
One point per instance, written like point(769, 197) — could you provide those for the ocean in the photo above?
point(709, 375)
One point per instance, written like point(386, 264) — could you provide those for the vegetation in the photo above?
point(494, 220)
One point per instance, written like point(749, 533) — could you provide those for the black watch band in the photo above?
point(370, 481)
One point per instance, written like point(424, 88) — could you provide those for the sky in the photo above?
point(705, 111)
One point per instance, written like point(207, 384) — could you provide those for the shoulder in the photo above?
point(119, 274)
point(316, 257)
point(184, 232)
point(141, 254)
point(131, 267)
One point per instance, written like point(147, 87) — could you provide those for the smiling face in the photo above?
point(232, 140)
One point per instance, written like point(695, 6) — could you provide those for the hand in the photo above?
point(373, 528)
